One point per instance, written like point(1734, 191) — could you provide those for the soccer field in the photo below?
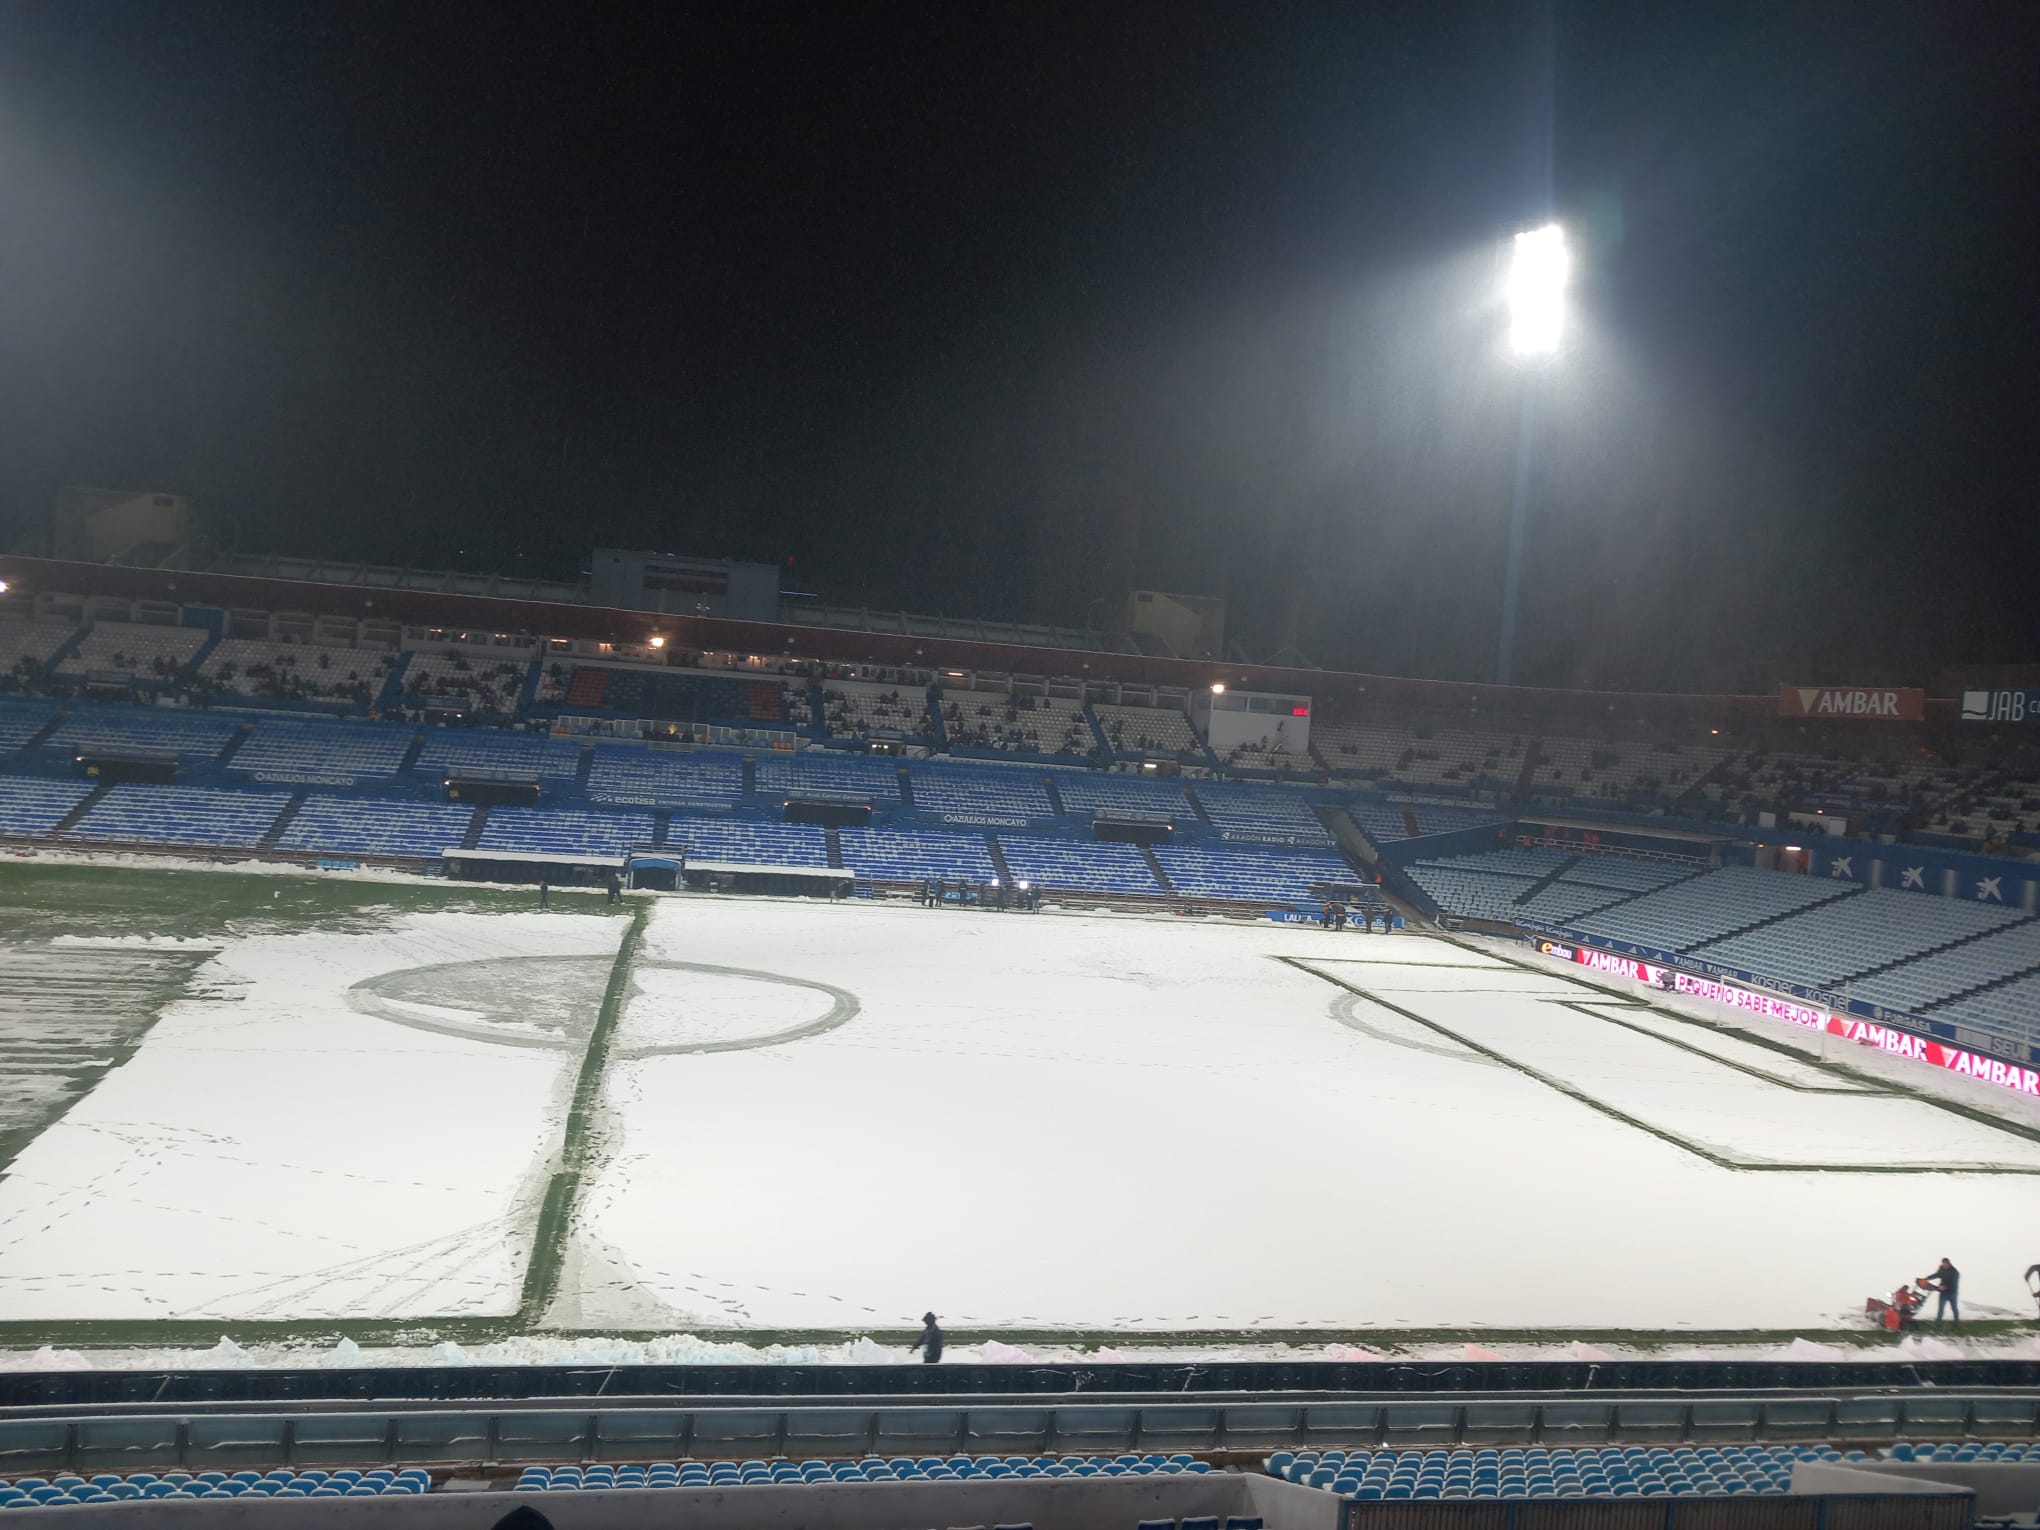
point(273, 1101)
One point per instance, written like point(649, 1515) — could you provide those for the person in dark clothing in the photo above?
point(1946, 1282)
point(615, 887)
point(544, 893)
point(930, 1342)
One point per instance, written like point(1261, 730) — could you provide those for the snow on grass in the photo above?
point(271, 1151)
point(1146, 1126)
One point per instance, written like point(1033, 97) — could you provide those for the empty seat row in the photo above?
point(113, 1487)
point(1268, 876)
point(912, 855)
point(956, 1468)
point(1519, 1472)
point(181, 815)
point(280, 746)
point(371, 826)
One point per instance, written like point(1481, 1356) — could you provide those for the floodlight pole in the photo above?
point(1519, 512)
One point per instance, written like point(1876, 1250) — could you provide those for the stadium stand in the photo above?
point(658, 777)
point(1476, 892)
point(135, 649)
point(1584, 767)
point(1526, 1472)
point(1850, 935)
point(181, 815)
point(1266, 815)
point(732, 841)
point(1421, 754)
point(565, 831)
point(1008, 797)
point(912, 855)
point(26, 648)
point(480, 681)
point(1630, 874)
point(1078, 865)
point(1017, 725)
point(1692, 913)
point(691, 1472)
point(855, 709)
point(260, 667)
point(1148, 730)
point(23, 720)
point(2009, 1009)
point(489, 752)
point(1091, 792)
point(1390, 818)
point(372, 826)
point(182, 731)
point(113, 1487)
point(282, 750)
point(830, 773)
point(1936, 977)
point(31, 805)
point(1250, 875)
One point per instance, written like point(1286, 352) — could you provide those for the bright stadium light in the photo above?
point(1539, 268)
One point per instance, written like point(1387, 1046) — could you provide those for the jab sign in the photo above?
point(2001, 706)
point(1863, 1032)
point(1888, 703)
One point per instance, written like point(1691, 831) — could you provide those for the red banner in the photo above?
point(1880, 703)
point(1864, 1032)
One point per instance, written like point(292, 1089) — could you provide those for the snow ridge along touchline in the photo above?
point(1604, 999)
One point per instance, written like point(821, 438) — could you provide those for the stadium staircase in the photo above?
point(391, 696)
point(410, 759)
point(205, 649)
point(662, 827)
point(998, 854)
point(70, 820)
point(1197, 807)
point(41, 735)
point(283, 820)
point(749, 778)
point(1547, 879)
point(234, 744)
point(582, 767)
point(834, 841)
point(1527, 776)
point(906, 790)
point(1097, 730)
point(64, 650)
point(1154, 866)
point(528, 693)
point(1054, 795)
point(1409, 823)
point(939, 730)
point(1741, 930)
point(473, 838)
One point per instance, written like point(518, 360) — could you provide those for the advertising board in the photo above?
point(1888, 703)
point(1886, 1038)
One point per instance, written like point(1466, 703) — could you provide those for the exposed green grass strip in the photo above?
point(562, 1196)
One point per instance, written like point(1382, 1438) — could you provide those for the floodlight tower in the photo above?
point(1540, 266)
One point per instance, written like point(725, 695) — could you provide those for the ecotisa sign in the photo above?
point(1885, 1038)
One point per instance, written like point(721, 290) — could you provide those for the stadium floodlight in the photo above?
point(1539, 268)
point(3, 586)
point(657, 641)
point(1218, 687)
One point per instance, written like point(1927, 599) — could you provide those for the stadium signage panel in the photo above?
point(1890, 703)
point(2001, 706)
point(1886, 1038)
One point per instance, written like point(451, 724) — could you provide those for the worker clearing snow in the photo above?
point(1896, 1315)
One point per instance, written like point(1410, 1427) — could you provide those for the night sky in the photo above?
point(997, 309)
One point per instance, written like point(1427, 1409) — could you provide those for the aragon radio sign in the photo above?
point(1886, 703)
point(2001, 706)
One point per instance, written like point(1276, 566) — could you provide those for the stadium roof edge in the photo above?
point(442, 608)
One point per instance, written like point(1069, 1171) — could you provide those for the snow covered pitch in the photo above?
point(832, 1118)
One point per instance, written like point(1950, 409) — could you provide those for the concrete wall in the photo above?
point(1112, 1503)
point(2000, 1487)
